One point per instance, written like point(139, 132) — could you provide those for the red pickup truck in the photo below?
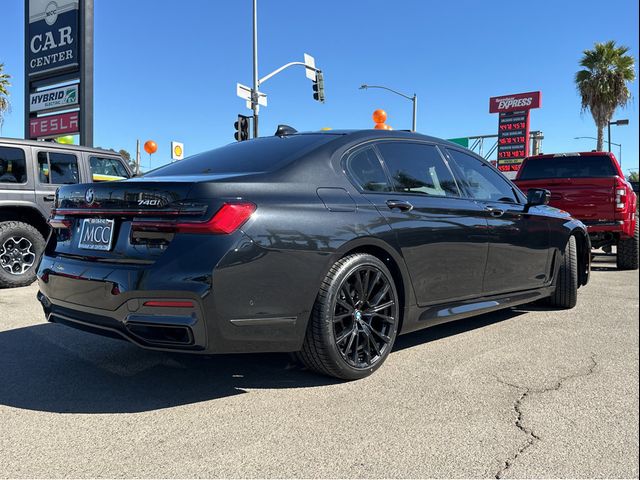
point(592, 188)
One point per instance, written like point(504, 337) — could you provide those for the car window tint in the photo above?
point(572, 166)
point(105, 169)
point(57, 168)
point(480, 180)
point(367, 171)
point(264, 154)
point(12, 165)
point(418, 168)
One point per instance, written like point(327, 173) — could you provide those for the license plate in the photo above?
point(96, 234)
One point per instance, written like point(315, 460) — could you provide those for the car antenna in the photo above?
point(284, 130)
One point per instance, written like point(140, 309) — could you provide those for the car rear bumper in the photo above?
point(614, 227)
point(122, 301)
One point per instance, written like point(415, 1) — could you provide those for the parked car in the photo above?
point(327, 244)
point(30, 173)
point(592, 188)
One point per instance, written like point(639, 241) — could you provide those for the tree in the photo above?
point(127, 157)
point(4, 94)
point(603, 82)
point(633, 176)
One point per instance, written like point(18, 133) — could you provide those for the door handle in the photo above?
point(494, 212)
point(49, 198)
point(402, 205)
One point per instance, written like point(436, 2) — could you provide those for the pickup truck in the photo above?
point(592, 188)
point(30, 174)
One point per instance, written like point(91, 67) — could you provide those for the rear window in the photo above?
point(260, 155)
point(567, 167)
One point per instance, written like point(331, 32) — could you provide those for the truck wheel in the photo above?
point(354, 321)
point(566, 292)
point(627, 258)
point(21, 246)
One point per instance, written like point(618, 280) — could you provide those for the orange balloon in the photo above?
point(150, 147)
point(388, 127)
point(380, 126)
point(379, 116)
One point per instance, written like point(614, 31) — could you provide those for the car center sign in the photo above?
point(52, 36)
point(53, 98)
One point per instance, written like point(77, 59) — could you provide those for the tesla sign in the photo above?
point(54, 125)
point(52, 36)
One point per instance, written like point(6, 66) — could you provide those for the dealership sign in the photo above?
point(518, 101)
point(54, 125)
point(54, 98)
point(513, 128)
point(52, 36)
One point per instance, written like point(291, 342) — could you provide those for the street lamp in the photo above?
point(414, 99)
point(624, 121)
point(619, 145)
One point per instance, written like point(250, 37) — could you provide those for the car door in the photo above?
point(519, 247)
point(441, 235)
point(53, 168)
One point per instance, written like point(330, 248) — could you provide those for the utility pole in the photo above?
point(137, 172)
point(254, 91)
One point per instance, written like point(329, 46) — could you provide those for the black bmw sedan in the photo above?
point(325, 244)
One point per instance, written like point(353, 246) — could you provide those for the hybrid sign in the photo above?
point(513, 128)
point(52, 36)
point(54, 98)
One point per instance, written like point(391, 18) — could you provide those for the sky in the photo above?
point(168, 70)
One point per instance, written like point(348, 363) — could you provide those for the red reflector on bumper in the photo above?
point(169, 304)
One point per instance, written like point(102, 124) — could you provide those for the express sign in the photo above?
point(518, 101)
point(52, 36)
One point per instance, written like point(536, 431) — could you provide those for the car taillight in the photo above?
point(59, 223)
point(621, 195)
point(226, 220)
point(168, 304)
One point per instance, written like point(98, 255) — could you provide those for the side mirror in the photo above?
point(538, 196)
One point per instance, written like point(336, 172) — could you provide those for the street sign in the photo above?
point(54, 125)
point(310, 66)
point(462, 141)
point(244, 92)
point(177, 151)
point(53, 98)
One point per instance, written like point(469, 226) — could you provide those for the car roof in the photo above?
point(54, 145)
point(569, 154)
point(372, 133)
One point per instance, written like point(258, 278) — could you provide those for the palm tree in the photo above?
point(4, 94)
point(602, 83)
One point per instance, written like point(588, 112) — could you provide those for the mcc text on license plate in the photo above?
point(96, 234)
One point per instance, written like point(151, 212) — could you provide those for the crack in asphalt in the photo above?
point(532, 437)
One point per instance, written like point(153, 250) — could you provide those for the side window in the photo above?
point(12, 165)
point(367, 171)
point(57, 168)
point(105, 169)
point(418, 168)
point(480, 180)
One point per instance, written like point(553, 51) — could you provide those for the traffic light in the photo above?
point(242, 128)
point(318, 87)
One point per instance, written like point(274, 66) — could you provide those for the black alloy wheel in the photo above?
point(364, 316)
point(355, 319)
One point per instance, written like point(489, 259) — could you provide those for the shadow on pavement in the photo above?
point(53, 368)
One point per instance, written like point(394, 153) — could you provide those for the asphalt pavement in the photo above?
point(528, 392)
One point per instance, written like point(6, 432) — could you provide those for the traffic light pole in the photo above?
point(254, 91)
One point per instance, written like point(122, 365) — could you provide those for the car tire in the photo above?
point(566, 293)
point(627, 254)
point(354, 322)
point(21, 246)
